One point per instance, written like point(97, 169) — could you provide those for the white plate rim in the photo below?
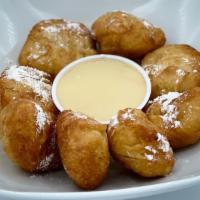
point(133, 192)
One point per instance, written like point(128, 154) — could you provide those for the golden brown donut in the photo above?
point(28, 83)
point(178, 116)
point(173, 68)
point(28, 136)
point(83, 148)
point(124, 34)
point(54, 43)
point(139, 145)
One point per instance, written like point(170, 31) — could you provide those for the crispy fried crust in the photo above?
point(124, 34)
point(54, 43)
point(179, 118)
point(28, 136)
point(173, 68)
point(139, 145)
point(83, 148)
point(28, 83)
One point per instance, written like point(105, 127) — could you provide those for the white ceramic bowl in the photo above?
point(178, 19)
point(74, 64)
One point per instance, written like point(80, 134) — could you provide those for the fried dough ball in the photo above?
point(28, 135)
point(83, 148)
point(124, 34)
point(139, 145)
point(28, 83)
point(178, 116)
point(173, 68)
point(54, 43)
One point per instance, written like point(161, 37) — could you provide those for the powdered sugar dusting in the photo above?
point(30, 77)
point(73, 25)
point(151, 149)
point(170, 117)
point(33, 56)
point(111, 22)
point(147, 24)
point(65, 25)
point(150, 28)
point(36, 51)
point(41, 117)
point(80, 115)
point(150, 152)
point(44, 164)
point(180, 72)
point(51, 29)
point(128, 115)
point(169, 110)
point(113, 122)
point(149, 156)
point(163, 143)
point(154, 70)
point(188, 112)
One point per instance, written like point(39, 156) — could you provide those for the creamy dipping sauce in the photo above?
point(99, 88)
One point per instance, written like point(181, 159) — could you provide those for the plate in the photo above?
point(180, 22)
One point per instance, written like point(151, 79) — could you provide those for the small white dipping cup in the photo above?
point(101, 56)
